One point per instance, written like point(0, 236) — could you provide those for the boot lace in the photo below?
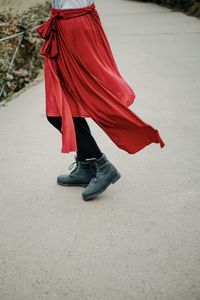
point(94, 170)
point(72, 165)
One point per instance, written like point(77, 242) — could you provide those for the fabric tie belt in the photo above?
point(48, 30)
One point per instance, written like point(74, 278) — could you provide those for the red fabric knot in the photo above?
point(48, 30)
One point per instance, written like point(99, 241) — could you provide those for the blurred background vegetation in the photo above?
point(27, 63)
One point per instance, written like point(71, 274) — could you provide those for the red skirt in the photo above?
point(82, 80)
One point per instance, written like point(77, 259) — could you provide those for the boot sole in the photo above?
point(72, 184)
point(114, 180)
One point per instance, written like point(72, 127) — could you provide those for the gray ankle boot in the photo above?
point(103, 173)
point(80, 176)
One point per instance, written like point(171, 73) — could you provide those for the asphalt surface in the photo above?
point(140, 239)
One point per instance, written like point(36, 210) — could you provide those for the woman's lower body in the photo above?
point(82, 80)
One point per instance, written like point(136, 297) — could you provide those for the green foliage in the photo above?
point(28, 62)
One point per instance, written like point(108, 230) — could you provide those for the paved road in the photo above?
point(141, 239)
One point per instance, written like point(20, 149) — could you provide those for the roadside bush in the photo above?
point(27, 63)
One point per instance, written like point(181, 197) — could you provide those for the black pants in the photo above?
point(87, 146)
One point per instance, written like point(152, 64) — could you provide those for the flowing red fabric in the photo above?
point(82, 80)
